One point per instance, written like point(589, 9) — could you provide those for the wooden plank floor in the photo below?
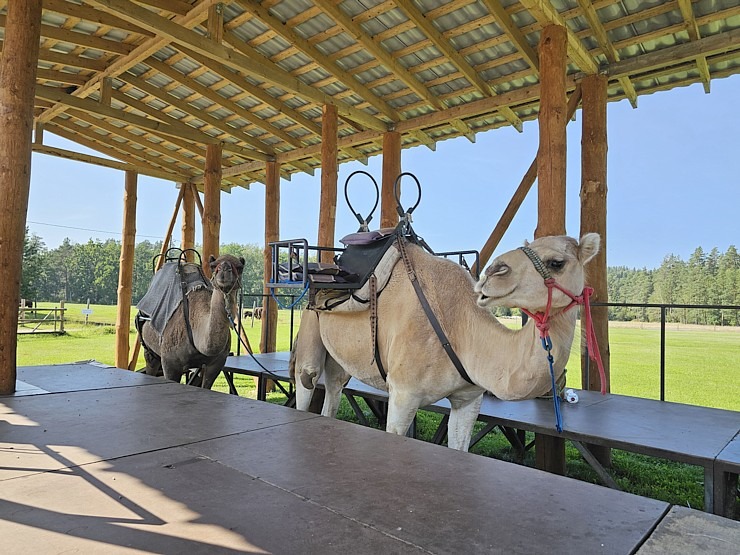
point(101, 460)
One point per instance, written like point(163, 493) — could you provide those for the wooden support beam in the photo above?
point(160, 261)
point(593, 208)
point(188, 218)
point(272, 234)
point(105, 162)
point(328, 205)
point(391, 171)
point(17, 80)
point(126, 271)
point(593, 219)
point(550, 451)
point(211, 205)
point(551, 157)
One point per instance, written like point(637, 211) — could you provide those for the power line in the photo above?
point(92, 230)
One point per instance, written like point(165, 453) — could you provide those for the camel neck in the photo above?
point(512, 364)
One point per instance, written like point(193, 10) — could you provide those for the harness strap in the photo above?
point(373, 294)
point(186, 310)
point(430, 314)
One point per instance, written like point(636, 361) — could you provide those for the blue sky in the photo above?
point(673, 186)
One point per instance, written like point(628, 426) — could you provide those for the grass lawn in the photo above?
point(701, 369)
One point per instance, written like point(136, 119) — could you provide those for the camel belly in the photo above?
point(347, 338)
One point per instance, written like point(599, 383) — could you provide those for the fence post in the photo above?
point(61, 312)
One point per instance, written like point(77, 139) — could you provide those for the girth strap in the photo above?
point(430, 313)
point(186, 309)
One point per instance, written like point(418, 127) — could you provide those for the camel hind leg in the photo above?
point(335, 378)
point(308, 359)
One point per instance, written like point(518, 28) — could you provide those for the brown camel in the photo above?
point(210, 309)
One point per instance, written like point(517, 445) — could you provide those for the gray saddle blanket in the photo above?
point(166, 291)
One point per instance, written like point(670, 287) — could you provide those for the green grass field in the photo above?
point(701, 369)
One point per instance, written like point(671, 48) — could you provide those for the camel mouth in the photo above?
point(484, 300)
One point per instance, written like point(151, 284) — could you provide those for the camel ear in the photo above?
point(241, 259)
point(211, 261)
point(588, 247)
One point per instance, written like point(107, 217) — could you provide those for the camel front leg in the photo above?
point(335, 378)
point(402, 407)
point(463, 414)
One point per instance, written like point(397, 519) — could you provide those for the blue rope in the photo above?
point(286, 307)
point(547, 345)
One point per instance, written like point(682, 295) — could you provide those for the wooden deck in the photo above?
point(101, 460)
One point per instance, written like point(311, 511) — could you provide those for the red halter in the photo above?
point(542, 320)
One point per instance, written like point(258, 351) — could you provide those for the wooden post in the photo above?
point(552, 121)
point(188, 217)
point(593, 219)
point(391, 171)
point(520, 194)
point(17, 83)
point(272, 233)
point(126, 271)
point(550, 451)
point(160, 262)
point(328, 206)
point(211, 205)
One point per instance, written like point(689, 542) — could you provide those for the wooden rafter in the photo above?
point(213, 96)
point(589, 12)
point(103, 162)
point(355, 31)
point(515, 35)
point(172, 127)
point(576, 51)
point(687, 13)
point(293, 38)
point(177, 34)
point(454, 56)
point(194, 17)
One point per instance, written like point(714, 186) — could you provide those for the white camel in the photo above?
point(511, 364)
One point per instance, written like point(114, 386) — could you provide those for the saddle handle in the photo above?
point(180, 255)
point(363, 221)
point(405, 214)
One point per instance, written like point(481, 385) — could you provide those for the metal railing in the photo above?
point(663, 307)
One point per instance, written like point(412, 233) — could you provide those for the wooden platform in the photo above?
point(102, 460)
point(701, 436)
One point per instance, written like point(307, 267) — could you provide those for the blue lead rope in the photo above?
point(291, 305)
point(547, 345)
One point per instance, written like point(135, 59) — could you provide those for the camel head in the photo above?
point(227, 272)
point(513, 280)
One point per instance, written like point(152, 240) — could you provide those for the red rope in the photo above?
point(542, 322)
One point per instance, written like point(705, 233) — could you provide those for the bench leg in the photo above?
point(550, 453)
point(724, 487)
point(594, 462)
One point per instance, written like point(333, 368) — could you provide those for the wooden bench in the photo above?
point(700, 436)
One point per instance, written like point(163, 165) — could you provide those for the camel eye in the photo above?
point(556, 264)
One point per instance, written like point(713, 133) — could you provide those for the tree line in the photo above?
point(704, 279)
point(76, 272)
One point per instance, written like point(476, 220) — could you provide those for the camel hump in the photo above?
point(166, 291)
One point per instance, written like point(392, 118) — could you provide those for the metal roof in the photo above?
point(143, 82)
